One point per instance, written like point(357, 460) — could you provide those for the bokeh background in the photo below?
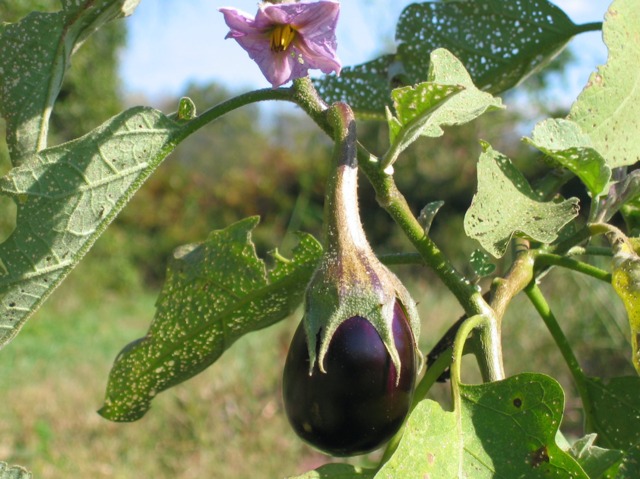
point(268, 160)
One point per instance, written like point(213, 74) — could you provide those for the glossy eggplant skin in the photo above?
point(357, 404)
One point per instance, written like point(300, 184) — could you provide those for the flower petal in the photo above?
point(314, 45)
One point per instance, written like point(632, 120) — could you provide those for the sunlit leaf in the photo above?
point(430, 446)
point(505, 204)
point(337, 471)
point(421, 110)
point(33, 63)
point(564, 142)
point(66, 196)
point(625, 278)
point(607, 109)
point(215, 292)
point(414, 106)
point(500, 42)
point(504, 429)
point(13, 472)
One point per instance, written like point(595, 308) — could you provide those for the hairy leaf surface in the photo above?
point(505, 204)
point(504, 429)
point(563, 141)
point(500, 42)
point(215, 292)
point(66, 196)
point(32, 65)
point(607, 109)
point(421, 110)
point(13, 472)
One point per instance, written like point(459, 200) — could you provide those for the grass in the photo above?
point(228, 422)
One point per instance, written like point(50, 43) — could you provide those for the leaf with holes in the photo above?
point(564, 142)
point(366, 87)
point(505, 204)
point(607, 109)
point(214, 293)
point(481, 263)
point(500, 42)
point(614, 412)
point(417, 117)
point(33, 63)
point(503, 429)
point(13, 472)
point(415, 107)
point(66, 196)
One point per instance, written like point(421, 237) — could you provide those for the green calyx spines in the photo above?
point(350, 280)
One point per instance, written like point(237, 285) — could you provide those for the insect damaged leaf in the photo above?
point(607, 109)
point(504, 429)
point(215, 292)
point(505, 204)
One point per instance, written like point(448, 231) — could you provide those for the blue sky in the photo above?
point(174, 42)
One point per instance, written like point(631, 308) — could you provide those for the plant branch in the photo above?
point(539, 302)
point(392, 200)
point(549, 259)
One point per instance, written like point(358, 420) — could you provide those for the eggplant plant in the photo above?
point(355, 379)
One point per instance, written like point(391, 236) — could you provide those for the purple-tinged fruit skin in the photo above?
point(358, 404)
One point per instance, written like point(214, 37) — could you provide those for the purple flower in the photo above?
point(288, 39)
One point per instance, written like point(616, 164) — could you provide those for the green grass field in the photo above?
point(228, 423)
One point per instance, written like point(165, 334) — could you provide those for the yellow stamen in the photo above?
point(281, 37)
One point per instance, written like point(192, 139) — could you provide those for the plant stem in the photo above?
point(549, 259)
point(589, 27)
point(538, 300)
point(234, 103)
point(390, 198)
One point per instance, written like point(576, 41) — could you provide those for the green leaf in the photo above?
point(414, 106)
point(596, 461)
point(13, 472)
point(419, 114)
point(630, 466)
point(39, 49)
point(504, 429)
point(614, 411)
point(481, 263)
point(337, 471)
point(430, 446)
point(509, 429)
point(469, 104)
point(66, 196)
point(607, 109)
point(564, 141)
point(505, 204)
point(366, 87)
point(500, 42)
point(215, 292)
point(625, 279)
